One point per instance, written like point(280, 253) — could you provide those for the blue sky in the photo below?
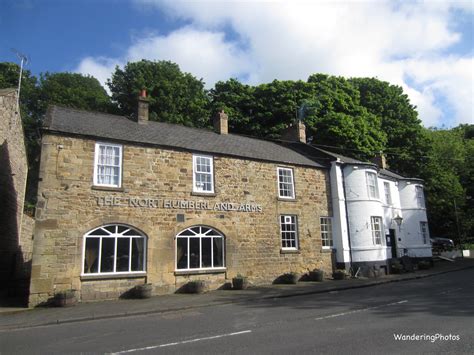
point(424, 46)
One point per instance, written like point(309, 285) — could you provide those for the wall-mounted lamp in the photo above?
point(398, 220)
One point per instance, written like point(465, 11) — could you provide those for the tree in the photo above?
point(72, 90)
point(238, 101)
point(337, 118)
point(175, 96)
point(449, 181)
point(330, 106)
point(407, 143)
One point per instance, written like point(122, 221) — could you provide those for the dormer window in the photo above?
point(203, 174)
point(108, 165)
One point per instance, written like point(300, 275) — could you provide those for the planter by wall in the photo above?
point(288, 278)
point(239, 283)
point(65, 298)
point(197, 286)
point(143, 291)
point(316, 275)
point(339, 275)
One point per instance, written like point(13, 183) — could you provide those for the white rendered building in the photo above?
point(377, 215)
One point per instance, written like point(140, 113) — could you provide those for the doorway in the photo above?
point(392, 242)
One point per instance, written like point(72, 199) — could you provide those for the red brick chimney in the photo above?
point(221, 122)
point(296, 132)
point(142, 111)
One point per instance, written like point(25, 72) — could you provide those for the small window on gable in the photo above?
point(286, 185)
point(203, 174)
point(420, 200)
point(108, 165)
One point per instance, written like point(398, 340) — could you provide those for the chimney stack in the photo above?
point(296, 132)
point(143, 103)
point(380, 161)
point(221, 122)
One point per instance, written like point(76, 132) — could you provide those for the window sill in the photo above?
point(290, 251)
point(107, 188)
point(199, 272)
point(112, 276)
point(327, 250)
point(204, 194)
point(286, 199)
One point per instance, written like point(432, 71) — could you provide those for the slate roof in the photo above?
point(105, 126)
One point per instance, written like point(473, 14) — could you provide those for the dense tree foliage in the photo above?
point(73, 90)
point(329, 106)
point(407, 143)
point(175, 96)
point(449, 181)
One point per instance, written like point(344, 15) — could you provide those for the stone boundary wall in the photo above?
point(15, 250)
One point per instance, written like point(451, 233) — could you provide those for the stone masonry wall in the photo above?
point(14, 250)
point(68, 208)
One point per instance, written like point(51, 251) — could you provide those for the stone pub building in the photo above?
point(123, 202)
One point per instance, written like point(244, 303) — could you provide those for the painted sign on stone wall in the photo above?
point(146, 202)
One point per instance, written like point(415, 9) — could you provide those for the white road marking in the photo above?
point(359, 310)
point(183, 342)
point(450, 291)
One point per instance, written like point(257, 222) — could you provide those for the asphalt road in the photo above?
point(439, 310)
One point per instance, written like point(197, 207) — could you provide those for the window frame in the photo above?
point(326, 235)
point(115, 236)
point(96, 164)
point(282, 221)
point(375, 195)
point(424, 231)
point(387, 193)
point(420, 198)
point(211, 173)
point(200, 236)
point(292, 183)
point(374, 221)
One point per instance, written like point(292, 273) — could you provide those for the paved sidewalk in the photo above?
point(21, 318)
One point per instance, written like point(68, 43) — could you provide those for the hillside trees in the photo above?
point(175, 97)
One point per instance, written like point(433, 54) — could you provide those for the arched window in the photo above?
point(114, 249)
point(200, 247)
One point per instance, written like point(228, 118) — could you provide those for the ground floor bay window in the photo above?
point(200, 247)
point(114, 249)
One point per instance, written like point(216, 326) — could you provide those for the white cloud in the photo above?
point(291, 40)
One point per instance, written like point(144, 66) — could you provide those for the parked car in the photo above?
point(442, 244)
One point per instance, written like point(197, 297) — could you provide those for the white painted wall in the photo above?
point(349, 188)
point(413, 214)
point(360, 209)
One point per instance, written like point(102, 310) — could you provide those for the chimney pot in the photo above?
point(221, 122)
